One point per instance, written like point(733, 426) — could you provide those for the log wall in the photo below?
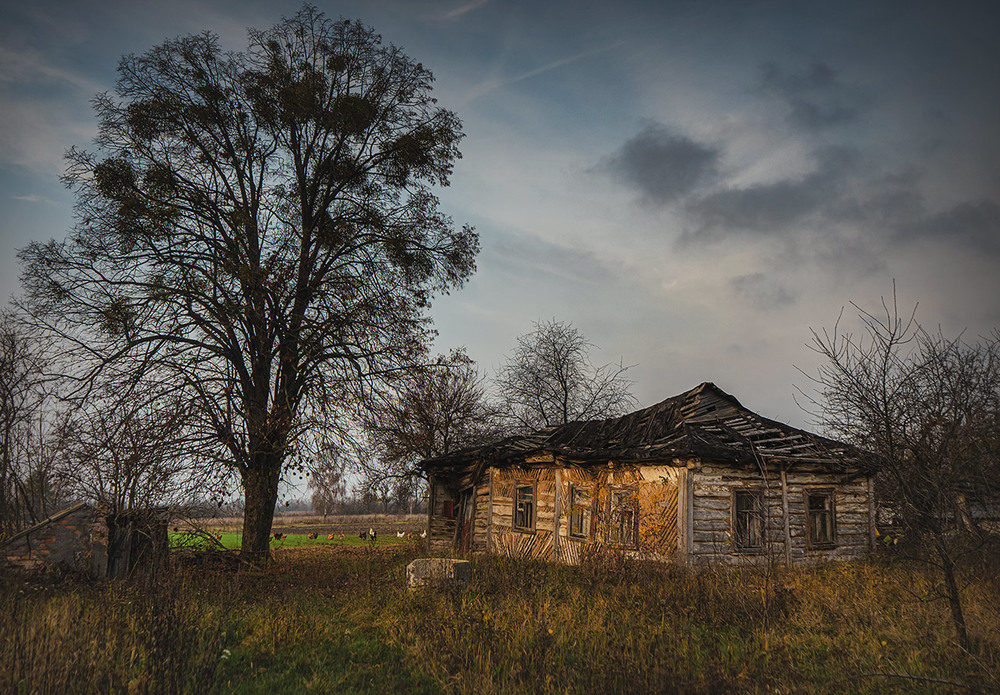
point(656, 492)
point(684, 512)
point(441, 527)
point(785, 537)
point(505, 539)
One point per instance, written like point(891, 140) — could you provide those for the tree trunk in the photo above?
point(954, 598)
point(260, 493)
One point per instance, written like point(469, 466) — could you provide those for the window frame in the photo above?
point(520, 485)
point(613, 525)
point(586, 512)
point(756, 493)
point(831, 494)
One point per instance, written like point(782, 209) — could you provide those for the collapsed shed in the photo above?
point(87, 539)
point(695, 478)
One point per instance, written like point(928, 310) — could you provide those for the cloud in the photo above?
point(464, 8)
point(491, 85)
point(815, 97)
point(762, 291)
point(35, 199)
point(23, 67)
point(973, 224)
point(661, 165)
point(772, 208)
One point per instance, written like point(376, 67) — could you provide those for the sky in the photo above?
point(695, 186)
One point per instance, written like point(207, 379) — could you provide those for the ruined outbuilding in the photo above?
point(695, 478)
point(86, 539)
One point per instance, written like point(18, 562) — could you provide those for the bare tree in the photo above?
point(259, 229)
point(126, 448)
point(29, 490)
point(550, 380)
point(928, 408)
point(327, 481)
point(439, 408)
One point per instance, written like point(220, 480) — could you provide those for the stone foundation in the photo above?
point(438, 572)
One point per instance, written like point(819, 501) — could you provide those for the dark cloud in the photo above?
point(762, 291)
point(661, 165)
point(815, 97)
point(973, 224)
point(773, 208)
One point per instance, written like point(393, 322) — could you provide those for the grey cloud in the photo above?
point(661, 165)
point(975, 224)
point(815, 97)
point(877, 201)
point(762, 291)
point(773, 208)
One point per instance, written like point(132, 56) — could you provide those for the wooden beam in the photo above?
point(784, 514)
point(489, 516)
point(555, 520)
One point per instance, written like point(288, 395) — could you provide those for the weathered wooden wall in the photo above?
point(551, 540)
point(852, 505)
point(505, 539)
point(711, 513)
point(570, 549)
point(658, 518)
point(440, 527)
point(481, 523)
point(685, 511)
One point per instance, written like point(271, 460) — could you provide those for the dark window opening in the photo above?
point(524, 508)
point(579, 512)
point(624, 518)
point(748, 520)
point(820, 519)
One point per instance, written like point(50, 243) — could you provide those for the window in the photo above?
point(579, 512)
point(624, 517)
point(748, 520)
point(524, 507)
point(820, 519)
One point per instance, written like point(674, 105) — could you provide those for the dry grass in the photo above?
point(341, 620)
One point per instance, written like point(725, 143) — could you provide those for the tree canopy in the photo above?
point(258, 230)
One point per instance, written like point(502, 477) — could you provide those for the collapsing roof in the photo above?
point(705, 422)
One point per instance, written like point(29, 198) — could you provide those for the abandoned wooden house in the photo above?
point(695, 478)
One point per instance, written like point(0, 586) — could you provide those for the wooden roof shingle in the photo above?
point(704, 422)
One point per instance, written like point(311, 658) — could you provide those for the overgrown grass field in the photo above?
point(340, 619)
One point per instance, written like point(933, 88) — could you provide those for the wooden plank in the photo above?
point(689, 509)
point(785, 519)
point(682, 514)
point(556, 512)
point(430, 504)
